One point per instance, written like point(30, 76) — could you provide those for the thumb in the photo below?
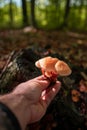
point(48, 97)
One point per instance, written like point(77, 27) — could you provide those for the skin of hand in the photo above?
point(29, 100)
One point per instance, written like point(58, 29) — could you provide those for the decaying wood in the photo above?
point(19, 69)
point(63, 112)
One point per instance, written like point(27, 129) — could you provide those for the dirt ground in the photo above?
point(73, 46)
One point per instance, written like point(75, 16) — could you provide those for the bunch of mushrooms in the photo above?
point(52, 67)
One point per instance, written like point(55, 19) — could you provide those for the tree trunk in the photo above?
point(67, 9)
point(81, 5)
point(33, 21)
point(80, 11)
point(11, 12)
point(24, 12)
point(85, 22)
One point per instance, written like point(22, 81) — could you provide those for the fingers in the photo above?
point(40, 82)
point(50, 94)
point(43, 84)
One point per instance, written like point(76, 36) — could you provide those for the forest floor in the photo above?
point(73, 46)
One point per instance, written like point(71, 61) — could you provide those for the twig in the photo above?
point(8, 61)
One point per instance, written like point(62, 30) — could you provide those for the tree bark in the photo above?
point(11, 12)
point(24, 12)
point(67, 9)
point(33, 20)
point(85, 22)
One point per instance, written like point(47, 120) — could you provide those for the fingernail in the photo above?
point(59, 83)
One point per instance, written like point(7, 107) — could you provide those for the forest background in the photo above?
point(44, 14)
point(49, 27)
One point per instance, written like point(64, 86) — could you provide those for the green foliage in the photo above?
point(49, 14)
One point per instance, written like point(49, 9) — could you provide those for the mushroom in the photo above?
point(62, 68)
point(52, 67)
point(75, 95)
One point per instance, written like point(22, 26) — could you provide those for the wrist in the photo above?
point(18, 105)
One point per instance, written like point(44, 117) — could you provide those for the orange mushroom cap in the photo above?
point(47, 63)
point(53, 66)
point(62, 68)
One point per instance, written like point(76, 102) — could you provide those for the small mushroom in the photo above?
point(52, 67)
point(75, 95)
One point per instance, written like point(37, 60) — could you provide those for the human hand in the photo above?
point(31, 99)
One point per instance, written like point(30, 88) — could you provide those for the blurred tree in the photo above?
point(33, 20)
point(11, 12)
point(81, 4)
point(46, 14)
point(80, 10)
point(24, 10)
point(85, 24)
point(67, 9)
point(1, 15)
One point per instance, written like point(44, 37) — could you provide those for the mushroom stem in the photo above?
point(43, 71)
